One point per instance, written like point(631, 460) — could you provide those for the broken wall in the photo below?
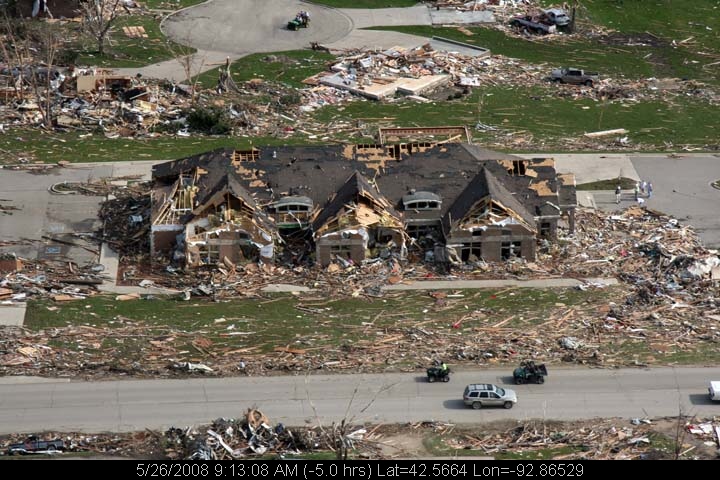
point(494, 243)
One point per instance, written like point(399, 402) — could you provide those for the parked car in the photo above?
point(479, 395)
point(532, 24)
point(557, 16)
point(574, 76)
point(32, 444)
point(714, 391)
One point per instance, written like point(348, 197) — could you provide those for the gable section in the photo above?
point(356, 204)
point(489, 212)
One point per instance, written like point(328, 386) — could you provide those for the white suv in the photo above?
point(478, 395)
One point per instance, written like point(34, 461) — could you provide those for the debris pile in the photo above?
point(667, 305)
point(22, 279)
point(604, 440)
point(251, 435)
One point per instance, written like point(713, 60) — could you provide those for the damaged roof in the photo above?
point(318, 172)
point(484, 185)
point(355, 187)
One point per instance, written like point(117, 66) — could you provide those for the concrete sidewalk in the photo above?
point(12, 315)
point(463, 284)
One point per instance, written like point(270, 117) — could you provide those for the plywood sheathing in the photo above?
point(543, 188)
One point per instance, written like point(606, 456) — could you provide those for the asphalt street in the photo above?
point(386, 398)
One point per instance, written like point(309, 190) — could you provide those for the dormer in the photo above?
point(421, 201)
point(292, 204)
point(291, 212)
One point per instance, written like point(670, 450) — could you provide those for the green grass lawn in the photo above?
point(631, 62)
point(132, 52)
point(668, 19)
point(367, 3)
point(608, 184)
point(75, 147)
point(549, 119)
point(277, 321)
point(322, 326)
point(290, 67)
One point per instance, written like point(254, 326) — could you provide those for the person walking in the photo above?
point(649, 190)
point(637, 190)
point(618, 194)
point(643, 187)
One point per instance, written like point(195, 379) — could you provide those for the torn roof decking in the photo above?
point(355, 188)
point(485, 186)
point(318, 172)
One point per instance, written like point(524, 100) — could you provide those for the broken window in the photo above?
point(340, 249)
point(510, 250)
point(545, 229)
point(471, 254)
point(383, 236)
point(292, 208)
point(421, 201)
point(477, 233)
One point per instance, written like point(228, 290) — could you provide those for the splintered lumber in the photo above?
point(295, 351)
point(603, 133)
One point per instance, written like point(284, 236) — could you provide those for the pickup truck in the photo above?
point(34, 445)
point(574, 76)
point(531, 24)
point(557, 16)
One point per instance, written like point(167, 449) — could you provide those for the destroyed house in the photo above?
point(356, 220)
point(206, 216)
point(355, 202)
point(487, 222)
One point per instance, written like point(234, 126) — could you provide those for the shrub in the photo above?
point(210, 120)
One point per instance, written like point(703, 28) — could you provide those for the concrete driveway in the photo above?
point(249, 26)
point(682, 189)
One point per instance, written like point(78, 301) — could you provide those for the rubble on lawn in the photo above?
point(668, 304)
point(95, 102)
point(590, 440)
point(250, 436)
point(23, 279)
point(254, 436)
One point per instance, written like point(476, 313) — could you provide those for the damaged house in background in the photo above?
point(207, 217)
point(448, 202)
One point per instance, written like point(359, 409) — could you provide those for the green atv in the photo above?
point(297, 23)
point(529, 372)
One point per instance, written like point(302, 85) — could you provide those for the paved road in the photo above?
point(134, 405)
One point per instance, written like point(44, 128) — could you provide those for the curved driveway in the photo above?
point(231, 29)
point(250, 26)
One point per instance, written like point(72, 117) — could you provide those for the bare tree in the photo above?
point(98, 18)
point(339, 436)
point(31, 52)
point(191, 64)
point(44, 81)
